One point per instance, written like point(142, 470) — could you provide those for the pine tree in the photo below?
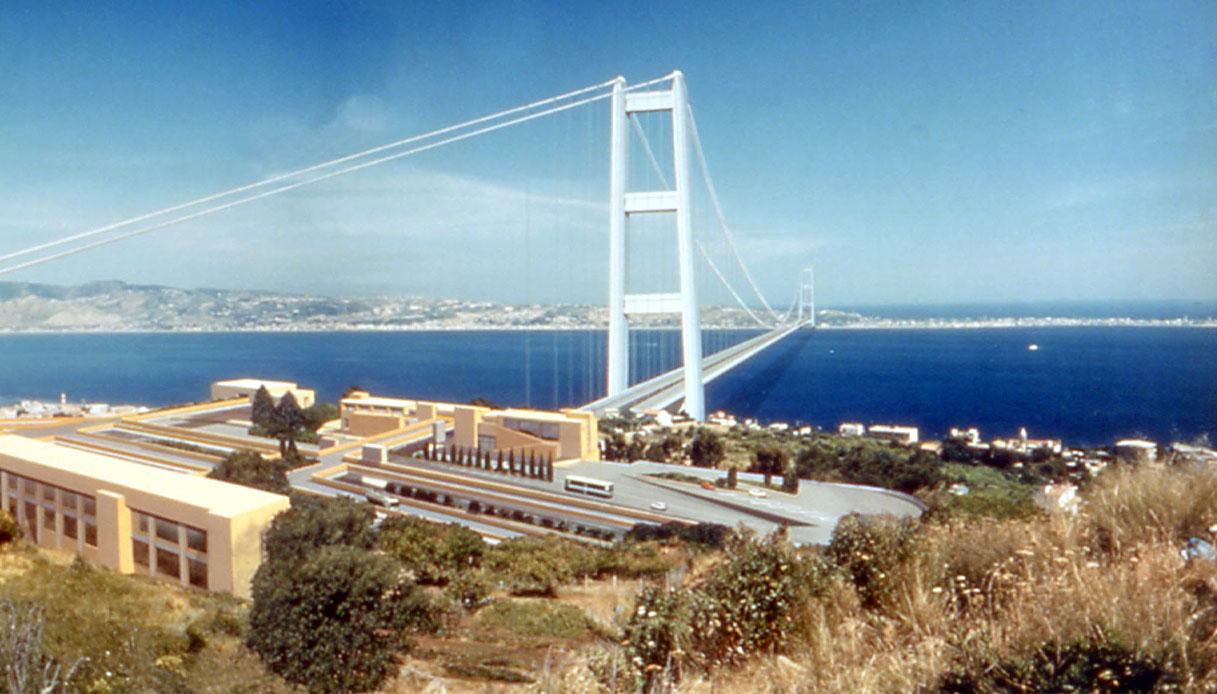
point(262, 410)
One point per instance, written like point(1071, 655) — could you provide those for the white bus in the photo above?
point(589, 486)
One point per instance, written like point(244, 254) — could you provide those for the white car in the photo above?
point(758, 493)
point(659, 506)
point(378, 498)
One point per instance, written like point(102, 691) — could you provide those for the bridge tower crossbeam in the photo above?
point(623, 204)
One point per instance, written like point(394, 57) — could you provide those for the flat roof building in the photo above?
point(891, 432)
point(562, 435)
point(135, 518)
point(247, 387)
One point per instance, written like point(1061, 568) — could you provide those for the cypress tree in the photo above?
point(500, 465)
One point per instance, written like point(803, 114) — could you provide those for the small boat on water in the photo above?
point(1033, 347)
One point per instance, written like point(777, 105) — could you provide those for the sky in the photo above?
point(913, 152)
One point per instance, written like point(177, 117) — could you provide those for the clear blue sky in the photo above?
point(916, 152)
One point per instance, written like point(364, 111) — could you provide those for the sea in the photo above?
point(1085, 385)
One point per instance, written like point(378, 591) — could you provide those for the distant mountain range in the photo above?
point(119, 306)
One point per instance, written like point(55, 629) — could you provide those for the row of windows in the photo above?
point(169, 531)
point(25, 496)
point(152, 535)
point(169, 563)
point(544, 430)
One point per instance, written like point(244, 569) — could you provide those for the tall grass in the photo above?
point(1102, 601)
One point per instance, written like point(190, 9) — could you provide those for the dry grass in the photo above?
point(1016, 599)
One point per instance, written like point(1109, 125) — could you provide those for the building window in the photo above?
point(196, 539)
point(48, 493)
point(549, 431)
point(166, 530)
point(48, 518)
point(139, 552)
point(90, 533)
point(12, 480)
point(141, 523)
point(90, 506)
point(31, 487)
point(167, 563)
point(69, 501)
point(69, 527)
point(31, 520)
point(486, 443)
point(197, 573)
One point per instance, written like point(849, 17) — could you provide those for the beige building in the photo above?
point(134, 518)
point(564, 435)
point(247, 387)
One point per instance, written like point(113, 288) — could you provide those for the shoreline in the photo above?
point(883, 324)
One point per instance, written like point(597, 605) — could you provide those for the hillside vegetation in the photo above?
point(1099, 601)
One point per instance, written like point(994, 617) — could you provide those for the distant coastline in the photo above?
point(119, 307)
point(872, 324)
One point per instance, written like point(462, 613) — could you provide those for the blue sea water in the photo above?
point(1085, 385)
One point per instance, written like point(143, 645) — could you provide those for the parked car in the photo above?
point(758, 493)
point(707, 485)
point(380, 498)
point(659, 506)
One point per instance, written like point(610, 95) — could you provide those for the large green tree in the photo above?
point(335, 621)
point(252, 470)
point(262, 413)
point(707, 449)
point(313, 523)
point(288, 421)
point(769, 461)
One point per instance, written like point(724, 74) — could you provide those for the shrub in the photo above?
point(535, 618)
point(252, 470)
point(868, 549)
point(468, 589)
point(26, 666)
point(335, 621)
point(708, 534)
point(415, 543)
point(314, 522)
point(751, 603)
point(1094, 663)
point(9, 529)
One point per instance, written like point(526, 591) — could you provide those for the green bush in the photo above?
point(334, 621)
point(252, 470)
point(468, 588)
point(535, 618)
point(312, 523)
point(751, 603)
point(755, 597)
point(707, 534)
point(1095, 663)
point(9, 529)
point(867, 549)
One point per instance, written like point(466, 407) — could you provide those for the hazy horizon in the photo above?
point(934, 153)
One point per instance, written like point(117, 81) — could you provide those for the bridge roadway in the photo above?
point(667, 388)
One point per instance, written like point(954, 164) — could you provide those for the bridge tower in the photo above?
point(807, 295)
point(624, 203)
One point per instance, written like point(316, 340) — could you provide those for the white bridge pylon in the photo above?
point(623, 204)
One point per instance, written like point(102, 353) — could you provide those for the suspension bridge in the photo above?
point(651, 205)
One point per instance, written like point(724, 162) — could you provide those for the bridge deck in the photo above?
point(667, 388)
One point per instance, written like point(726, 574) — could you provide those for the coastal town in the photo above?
point(116, 306)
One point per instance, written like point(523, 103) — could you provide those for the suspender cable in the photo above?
point(299, 184)
point(718, 210)
point(309, 169)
